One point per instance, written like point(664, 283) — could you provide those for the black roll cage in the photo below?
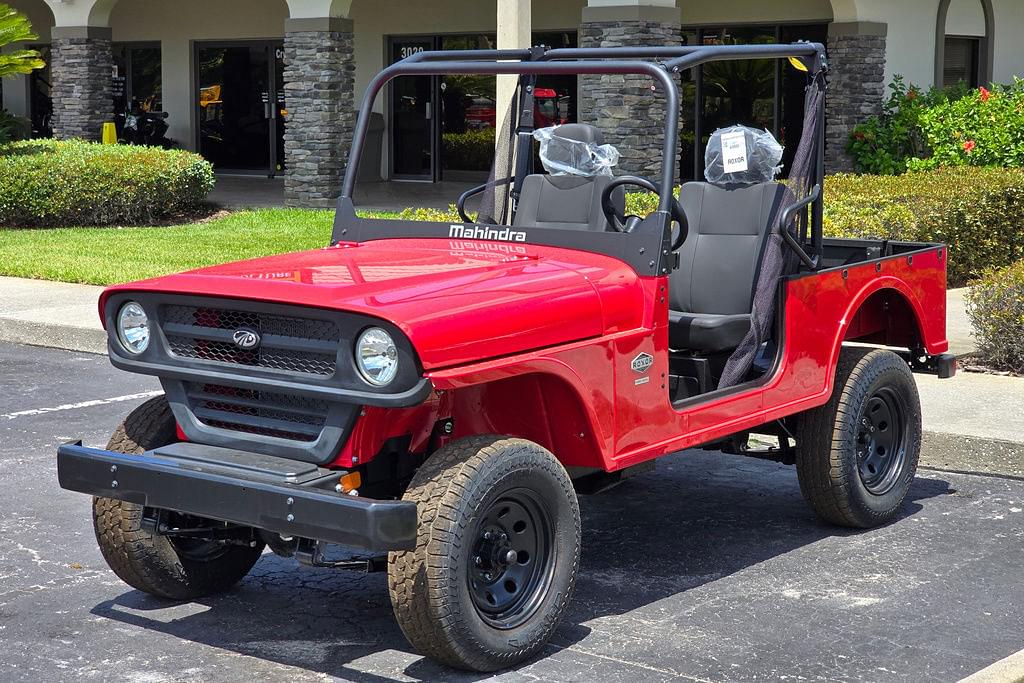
point(647, 248)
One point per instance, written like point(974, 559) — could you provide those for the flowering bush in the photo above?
point(884, 144)
point(984, 128)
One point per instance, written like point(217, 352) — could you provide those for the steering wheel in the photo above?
point(623, 223)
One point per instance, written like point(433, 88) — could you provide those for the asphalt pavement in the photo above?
point(711, 568)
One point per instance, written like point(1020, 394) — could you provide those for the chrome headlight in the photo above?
point(376, 357)
point(133, 328)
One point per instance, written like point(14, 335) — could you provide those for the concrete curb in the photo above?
point(971, 455)
point(1009, 670)
point(53, 336)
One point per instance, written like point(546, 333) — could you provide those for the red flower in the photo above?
point(969, 146)
point(912, 94)
point(858, 135)
point(985, 94)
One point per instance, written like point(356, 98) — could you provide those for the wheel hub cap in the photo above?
point(881, 441)
point(511, 561)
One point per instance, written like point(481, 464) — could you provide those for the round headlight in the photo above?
point(133, 328)
point(377, 357)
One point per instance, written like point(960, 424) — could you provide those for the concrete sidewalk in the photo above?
point(55, 314)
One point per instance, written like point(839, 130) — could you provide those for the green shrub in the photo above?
point(885, 144)
point(469, 151)
point(978, 212)
point(48, 183)
point(995, 306)
point(984, 128)
point(449, 215)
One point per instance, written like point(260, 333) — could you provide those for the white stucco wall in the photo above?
point(699, 12)
point(1009, 55)
point(965, 18)
point(911, 41)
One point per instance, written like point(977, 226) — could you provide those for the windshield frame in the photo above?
point(647, 248)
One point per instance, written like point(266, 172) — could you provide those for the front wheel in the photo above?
point(857, 454)
point(496, 556)
point(178, 569)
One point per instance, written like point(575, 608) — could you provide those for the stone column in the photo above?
point(631, 117)
point(81, 64)
point(319, 78)
point(856, 85)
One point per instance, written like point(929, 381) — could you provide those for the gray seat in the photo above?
point(711, 293)
point(567, 202)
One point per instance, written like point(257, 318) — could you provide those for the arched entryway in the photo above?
point(964, 36)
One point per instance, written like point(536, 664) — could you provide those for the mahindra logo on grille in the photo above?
point(477, 232)
point(246, 339)
point(642, 363)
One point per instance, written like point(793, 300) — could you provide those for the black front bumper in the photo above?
point(284, 496)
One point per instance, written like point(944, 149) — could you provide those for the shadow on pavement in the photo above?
point(699, 517)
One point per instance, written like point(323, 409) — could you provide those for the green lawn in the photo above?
point(103, 256)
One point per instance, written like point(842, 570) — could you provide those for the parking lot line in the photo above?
point(1008, 670)
point(82, 404)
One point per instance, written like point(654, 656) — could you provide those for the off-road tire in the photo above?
point(429, 586)
point(827, 440)
point(147, 561)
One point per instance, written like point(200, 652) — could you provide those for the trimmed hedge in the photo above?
point(469, 151)
point(995, 305)
point(49, 183)
point(978, 212)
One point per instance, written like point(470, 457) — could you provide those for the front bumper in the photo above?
point(284, 496)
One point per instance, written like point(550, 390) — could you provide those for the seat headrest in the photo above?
point(580, 132)
point(576, 149)
point(739, 155)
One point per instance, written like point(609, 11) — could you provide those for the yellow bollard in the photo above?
point(109, 133)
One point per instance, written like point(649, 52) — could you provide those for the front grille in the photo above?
point(267, 413)
point(288, 343)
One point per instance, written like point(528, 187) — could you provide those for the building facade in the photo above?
point(271, 86)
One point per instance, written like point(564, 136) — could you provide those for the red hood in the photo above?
point(458, 301)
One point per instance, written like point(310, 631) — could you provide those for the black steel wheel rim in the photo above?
point(512, 559)
point(882, 441)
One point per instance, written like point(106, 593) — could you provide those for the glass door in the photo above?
point(239, 103)
point(413, 104)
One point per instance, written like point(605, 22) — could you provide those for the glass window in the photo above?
point(137, 81)
point(40, 104)
point(762, 93)
point(961, 61)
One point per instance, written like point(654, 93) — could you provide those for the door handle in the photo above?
point(268, 110)
point(430, 109)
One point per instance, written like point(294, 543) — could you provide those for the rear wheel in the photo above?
point(175, 568)
point(857, 454)
point(496, 557)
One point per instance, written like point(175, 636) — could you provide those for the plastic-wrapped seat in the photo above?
point(567, 201)
point(711, 294)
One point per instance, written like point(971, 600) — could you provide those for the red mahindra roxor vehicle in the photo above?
point(433, 395)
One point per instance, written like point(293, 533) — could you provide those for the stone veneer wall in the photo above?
point(631, 117)
point(856, 86)
point(319, 76)
point(81, 67)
